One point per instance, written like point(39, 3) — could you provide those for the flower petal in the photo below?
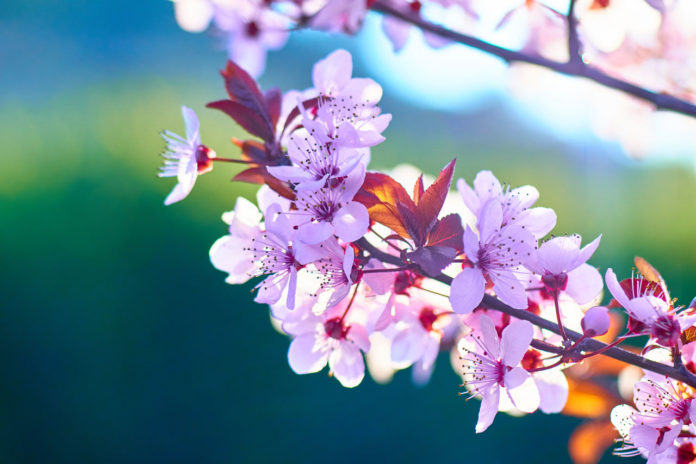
point(515, 341)
point(351, 221)
point(467, 290)
point(525, 395)
point(305, 355)
point(489, 408)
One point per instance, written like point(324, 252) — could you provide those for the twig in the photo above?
point(679, 373)
point(661, 101)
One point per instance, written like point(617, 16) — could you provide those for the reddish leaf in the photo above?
point(243, 89)
point(382, 196)
point(418, 189)
point(274, 101)
point(432, 260)
point(254, 151)
point(410, 220)
point(448, 232)
point(430, 203)
point(251, 121)
point(260, 175)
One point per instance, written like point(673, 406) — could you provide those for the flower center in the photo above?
point(335, 329)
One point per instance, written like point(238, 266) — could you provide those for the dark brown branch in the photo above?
point(574, 46)
point(679, 373)
point(661, 101)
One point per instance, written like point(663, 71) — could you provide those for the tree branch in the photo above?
point(660, 101)
point(574, 46)
point(679, 373)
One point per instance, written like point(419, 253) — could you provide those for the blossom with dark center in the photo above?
point(491, 365)
point(185, 158)
point(496, 255)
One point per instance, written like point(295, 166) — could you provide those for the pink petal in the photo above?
point(558, 254)
point(487, 186)
point(553, 390)
point(471, 200)
point(587, 251)
point(584, 284)
point(305, 355)
point(509, 289)
point(407, 346)
point(396, 31)
point(467, 290)
point(538, 221)
point(515, 341)
point(347, 365)
point(358, 334)
point(314, 233)
point(525, 395)
point(192, 125)
point(615, 288)
point(292, 288)
point(228, 254)
point(489, 337)
point(351, 221)
point(489, 219)
point(471, 244)
point(489, 408)
point(332, 73)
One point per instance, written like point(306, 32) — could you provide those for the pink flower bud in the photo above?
point(596, 321)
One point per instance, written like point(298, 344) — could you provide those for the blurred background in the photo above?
point(121, 343)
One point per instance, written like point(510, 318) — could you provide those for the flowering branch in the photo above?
point(676, 372)
point(573, 67)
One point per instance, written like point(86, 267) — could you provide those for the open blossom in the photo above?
point(185, 158)
point(335, 269)
point(313, 163)
point(561, 263)
point(331, 210)
point(330, 337)
point(491, 368)
point(517, 203)
point(664, 406)
point(340, 16)
point(349, 116)
point(646, 303)
point(250, 27)
point(496, 255)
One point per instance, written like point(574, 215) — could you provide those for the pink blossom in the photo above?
point(331, 210)
point(335, 269)
point(662, 321)
point(497, 254)
point(185, 158)
point(333, 338)
point(314, 163)
point(491, 366)
point(517, 203)
point(561, 263)
point(340, 16)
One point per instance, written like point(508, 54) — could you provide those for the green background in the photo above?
point(121, 343)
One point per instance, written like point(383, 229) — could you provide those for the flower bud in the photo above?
point(596, 321)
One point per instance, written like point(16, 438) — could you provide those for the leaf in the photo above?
point(381, 194)
point(588, 400)
point(590, 440)
point(274, 102)
point(251, 121)
point(418, 189)
point(689, 335)
point(254, 151)
point(410, 220)
point(647, 270)
point(448, 232)
point(432, 259)
point(430, 203)
point(243, 89)
point(260, 175)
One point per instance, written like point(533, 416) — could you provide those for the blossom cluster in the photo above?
point(359, 270)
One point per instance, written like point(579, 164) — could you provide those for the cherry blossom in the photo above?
point(561, 263)
point(491, 368)
point(516, 203)
point(497, 254)
point(647, 305)
point(332, 338)
point(185, 158)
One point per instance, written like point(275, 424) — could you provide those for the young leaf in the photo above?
point(307, 104)
point(418, 189)
point(430, 203)
point(381, 194)
point(432, 259)
point(274, 101)
point(251, 121)
point(448, 232)
point(260, 175)
point(243, 89)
